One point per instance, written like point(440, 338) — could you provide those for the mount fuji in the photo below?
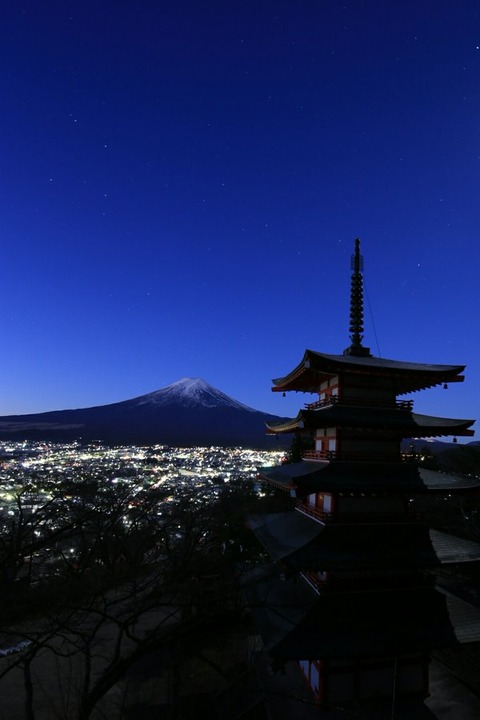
point(188, 413)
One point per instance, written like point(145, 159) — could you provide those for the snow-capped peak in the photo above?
point(191, 391)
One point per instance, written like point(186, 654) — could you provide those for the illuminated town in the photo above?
point(44, 487)
point(36, 470)
point(173, 462)
point(102, 541)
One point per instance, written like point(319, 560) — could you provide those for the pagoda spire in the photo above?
point(356, 306)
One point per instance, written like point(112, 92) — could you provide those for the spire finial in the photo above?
point(356, 305)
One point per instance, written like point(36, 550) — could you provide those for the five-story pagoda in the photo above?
point(351, 594)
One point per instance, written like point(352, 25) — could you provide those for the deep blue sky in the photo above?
point(182, 183)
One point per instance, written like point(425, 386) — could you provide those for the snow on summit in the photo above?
point(193, 392)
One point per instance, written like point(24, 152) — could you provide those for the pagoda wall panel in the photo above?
point(329, 388)
point(414, 678)
point(376, 680)
point(409, 675)
point(326, 439)
point(372, 445)
point(390, 505)
point(322, 502)
point(326, 432)
point(329, 384)
point(366, 392)
point(340, 687)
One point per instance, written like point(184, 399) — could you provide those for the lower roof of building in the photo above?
point(301, 543)
point(297, 623)
point(306, 477)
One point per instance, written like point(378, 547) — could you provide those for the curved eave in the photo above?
point(436, 481)
point(301, 379)
point(292, 475)
point(436, 426)
point(404, 423)
point(291, 425)
point(409, 377)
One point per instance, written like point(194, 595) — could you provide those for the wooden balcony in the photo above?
point(332, 400)
point(345, 456)
point(325, 455)
point(335, 400)
point(409, 516)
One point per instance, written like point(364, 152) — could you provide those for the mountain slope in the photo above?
point(187, 413)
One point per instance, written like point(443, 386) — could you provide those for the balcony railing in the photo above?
point(321, 515)
point(312, 578)
point(319, 455)
point(360, 518)
point(358, 456)
point(332, 400)
point(357, 402)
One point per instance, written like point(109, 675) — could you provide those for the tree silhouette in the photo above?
point(114, 574)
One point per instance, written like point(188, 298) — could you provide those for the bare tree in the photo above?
point(128, 574)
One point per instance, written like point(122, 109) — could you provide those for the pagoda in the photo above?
point(351, 594)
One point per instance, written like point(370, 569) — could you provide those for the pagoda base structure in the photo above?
point(351, 592)
point(357, 647)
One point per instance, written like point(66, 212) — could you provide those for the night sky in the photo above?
point(182, 183)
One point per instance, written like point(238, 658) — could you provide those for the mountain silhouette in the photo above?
point(188, 413)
